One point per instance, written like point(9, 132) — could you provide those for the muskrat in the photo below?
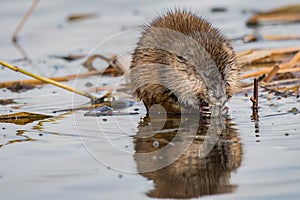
point(182, 60)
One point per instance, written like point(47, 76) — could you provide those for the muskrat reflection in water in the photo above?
point(188, 175)
point(180, 61)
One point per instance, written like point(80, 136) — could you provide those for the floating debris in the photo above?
point(294, 110)
point(22, 118)
point(4, 102)
point(114, 63)
point(218, 9)
point(257, 37)
point(70, 57)
point(106, 111)
point(33, 82)
point(99, 111)
point(286, 14)
point(20, 87)
point(81, 16)
point(88, 84)
point(119, 104)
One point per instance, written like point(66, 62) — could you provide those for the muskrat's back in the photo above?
point(182, 60)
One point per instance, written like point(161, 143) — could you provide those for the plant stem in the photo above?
point(47, 80)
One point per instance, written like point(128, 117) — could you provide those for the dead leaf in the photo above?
point(22, 118)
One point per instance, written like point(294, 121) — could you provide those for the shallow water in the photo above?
point(73, 156)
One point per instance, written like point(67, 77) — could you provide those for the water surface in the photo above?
point(71, 156)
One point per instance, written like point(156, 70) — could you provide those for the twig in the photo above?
point(59, 79)
point(282, 14)
point(102, 88)
point(20, 26)
point(271, 74)
point(89, 62)
point(85, 107)
point(268, 70)
point(256, 55)
point(296, 58)
point(47, 80)
point(258, 37)
point(294, 89)
point(113, 62)
point(280, 82)
point(243, 53)
point(254, 100)
point(281, 37)
point(285, 50)
point(289, 64)
point(21, 50)
point(277, 92)
point(249, 56)
point(288, 70)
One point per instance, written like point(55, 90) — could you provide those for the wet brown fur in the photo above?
point(210, 38)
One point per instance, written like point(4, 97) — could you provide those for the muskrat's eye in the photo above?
point(181, 59)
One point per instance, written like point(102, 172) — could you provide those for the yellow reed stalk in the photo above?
point(47, 80)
